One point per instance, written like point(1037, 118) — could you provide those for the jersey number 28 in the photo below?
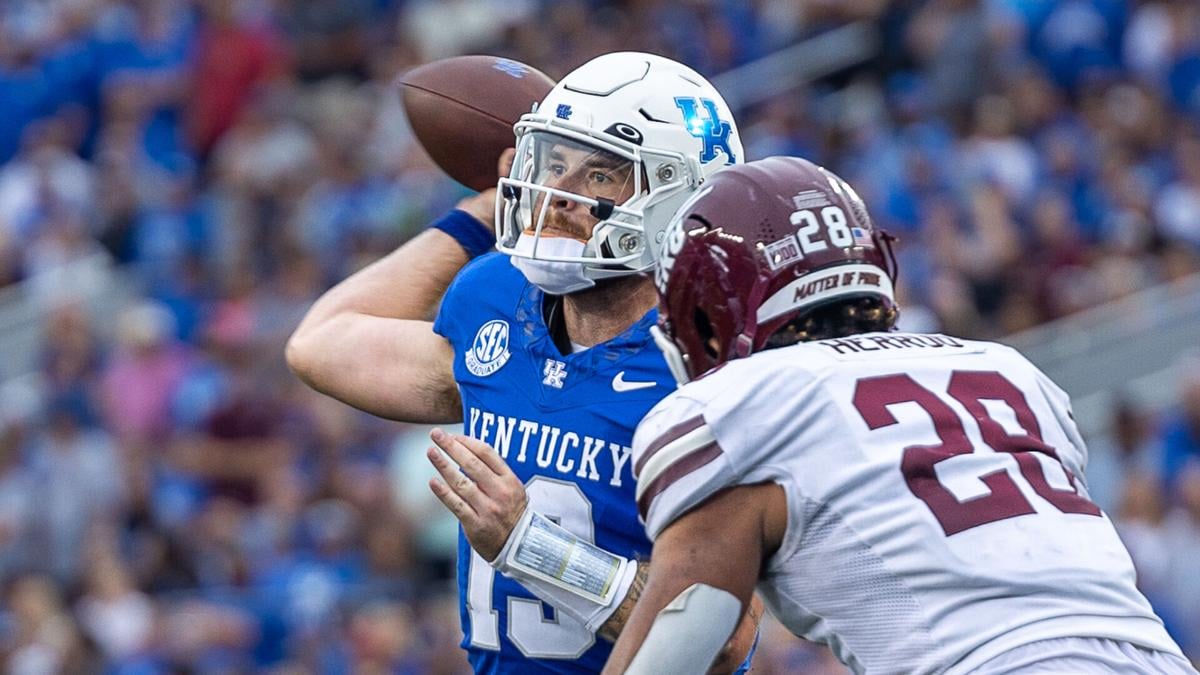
point(873, 396)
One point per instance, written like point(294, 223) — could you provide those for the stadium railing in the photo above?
point(1127, 348)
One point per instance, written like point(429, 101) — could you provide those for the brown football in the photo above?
point(463, 109)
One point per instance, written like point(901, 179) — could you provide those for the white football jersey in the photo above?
point(937, 512)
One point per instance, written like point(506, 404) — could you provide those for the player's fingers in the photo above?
point(474, 467)
point(455, 480)
point(460, 508)
point(506, 161)
point(486, 453)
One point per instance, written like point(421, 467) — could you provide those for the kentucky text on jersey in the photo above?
point(564, 424)
point(569, 452)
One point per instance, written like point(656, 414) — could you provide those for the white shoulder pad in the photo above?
point(675, 452)
point(712, 432)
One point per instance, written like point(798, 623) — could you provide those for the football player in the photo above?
point(916, 502)
point(542, 349)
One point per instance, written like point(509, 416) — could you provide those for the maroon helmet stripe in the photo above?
point(690, 462)
point(666, 438)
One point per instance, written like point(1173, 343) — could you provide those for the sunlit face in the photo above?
point(577, 169)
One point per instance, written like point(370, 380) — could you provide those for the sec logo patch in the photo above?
point(489, 350)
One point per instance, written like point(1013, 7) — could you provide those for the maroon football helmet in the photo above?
point(760, 245)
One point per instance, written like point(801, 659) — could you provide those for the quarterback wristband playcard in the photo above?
point(547, 551)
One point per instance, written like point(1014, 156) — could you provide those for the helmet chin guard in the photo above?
point(615, 213)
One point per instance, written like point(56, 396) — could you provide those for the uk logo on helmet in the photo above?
point(709, 128)
point(489, 350)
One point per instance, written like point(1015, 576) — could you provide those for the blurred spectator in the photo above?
point(949, 37)
point(1181, 433)
point(77, 477)
point(328, 38)
point(233, 54)
point(113, 613)
point(1141, 522)
point(140, 381)
point(1132, 448)
point(42, 638)
point(1183, 540)
point(16, 502)
point(63, 261)
point(70, 355)
point(1178, 207)
point(44, 179)
point(381, 638)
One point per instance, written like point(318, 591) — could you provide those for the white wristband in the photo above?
point(579, 578)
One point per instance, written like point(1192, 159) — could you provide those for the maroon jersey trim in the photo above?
point(666, 438)
point(690, 462)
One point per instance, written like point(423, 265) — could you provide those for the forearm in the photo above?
point(716, 546)
point(369, 341)
point(556, 552)
point(405, 284)
point(731, 656)
point(615, 623)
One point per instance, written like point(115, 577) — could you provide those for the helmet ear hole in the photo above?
point(708, 336)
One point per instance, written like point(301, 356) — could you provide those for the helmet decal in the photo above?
point(625, 132)
point(709, 128)
point(514, 69)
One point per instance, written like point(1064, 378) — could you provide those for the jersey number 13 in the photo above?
point(528, 629)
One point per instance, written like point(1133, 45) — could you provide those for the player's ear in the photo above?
point(504, 166)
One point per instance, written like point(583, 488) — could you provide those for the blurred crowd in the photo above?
point(172, 500)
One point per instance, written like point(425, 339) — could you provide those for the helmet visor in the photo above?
point(563, 187)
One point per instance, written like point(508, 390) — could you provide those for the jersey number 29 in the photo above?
point(873, 395)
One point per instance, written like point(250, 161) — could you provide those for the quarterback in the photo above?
point(916, 502)
point(541, 349)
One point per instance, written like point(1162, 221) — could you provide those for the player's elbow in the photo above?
point(300, 354)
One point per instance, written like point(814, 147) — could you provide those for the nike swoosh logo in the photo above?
point(619, 383)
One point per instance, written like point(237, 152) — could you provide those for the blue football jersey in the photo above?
point(565, 425)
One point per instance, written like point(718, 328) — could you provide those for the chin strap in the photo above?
point(743, 345)
point(884, 241)
point(672, 354)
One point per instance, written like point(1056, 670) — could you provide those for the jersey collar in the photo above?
point(541, 345)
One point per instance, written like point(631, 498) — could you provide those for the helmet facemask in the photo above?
point(600, 190)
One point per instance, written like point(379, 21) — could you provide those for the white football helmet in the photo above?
point(627, 138)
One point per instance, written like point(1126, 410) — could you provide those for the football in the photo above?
point(463, 109)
